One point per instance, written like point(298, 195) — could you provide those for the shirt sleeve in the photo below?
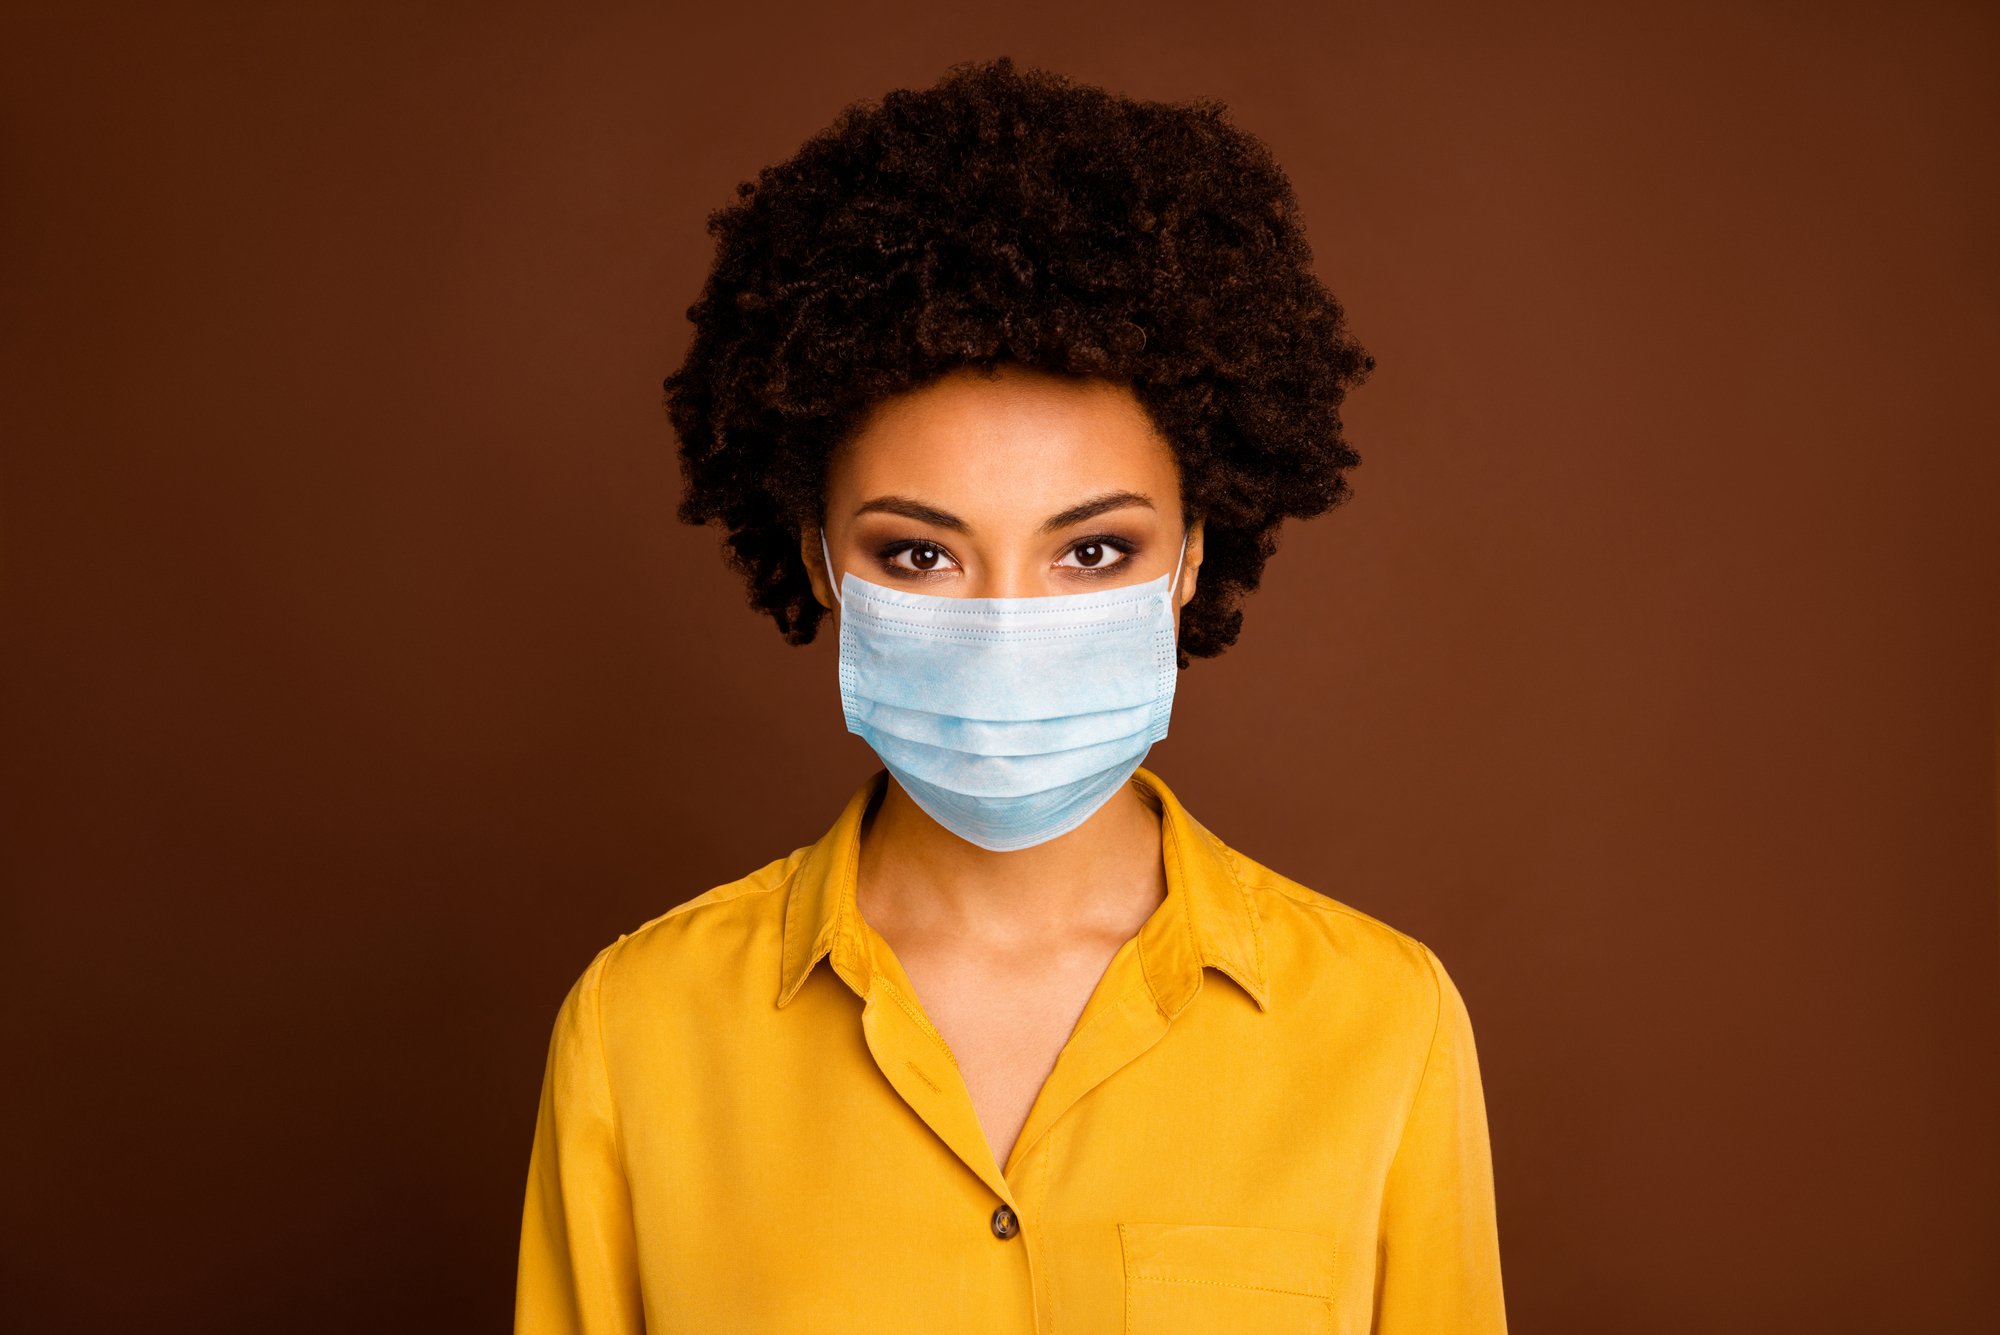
point(578, 1272)
point(1439, 1266)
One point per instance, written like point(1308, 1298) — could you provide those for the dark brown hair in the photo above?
point(1013, 215)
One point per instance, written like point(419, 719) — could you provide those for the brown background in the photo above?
point(360, 684)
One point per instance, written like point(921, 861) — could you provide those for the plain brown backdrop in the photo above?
point(360, 683)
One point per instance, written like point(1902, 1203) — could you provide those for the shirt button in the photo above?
point(1005, 1224)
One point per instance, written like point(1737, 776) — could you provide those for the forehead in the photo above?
point(1018, 439)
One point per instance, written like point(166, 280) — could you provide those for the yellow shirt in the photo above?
point(1267, 1118)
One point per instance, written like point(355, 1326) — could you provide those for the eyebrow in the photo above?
point(909, 509)
point(930, 514)
point(1095, 506)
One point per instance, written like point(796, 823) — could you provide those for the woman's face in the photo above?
point(1015, 486)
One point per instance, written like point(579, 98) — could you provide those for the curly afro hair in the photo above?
point(1010, 214)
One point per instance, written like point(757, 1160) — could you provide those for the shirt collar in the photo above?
point(1208, 918)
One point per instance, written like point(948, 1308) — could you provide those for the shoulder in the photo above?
point(701, 946)
point(1316, 944)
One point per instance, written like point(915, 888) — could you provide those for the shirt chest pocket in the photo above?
point(1184, 1279)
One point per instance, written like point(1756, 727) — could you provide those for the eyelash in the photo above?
point(1116, 544)
point(887, 556)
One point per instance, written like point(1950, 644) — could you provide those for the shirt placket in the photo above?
point(1119, 1023)
point(917, 1063)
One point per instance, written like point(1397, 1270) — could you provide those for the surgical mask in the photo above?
point(1010, 721)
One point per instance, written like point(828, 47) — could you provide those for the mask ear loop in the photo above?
point(1174, 588)
point(834, 585)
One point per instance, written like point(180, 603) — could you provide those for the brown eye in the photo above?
point(918, 558)
point(1096, 554)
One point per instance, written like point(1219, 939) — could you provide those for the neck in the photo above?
point(1104, 876)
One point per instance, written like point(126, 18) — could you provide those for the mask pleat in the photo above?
point(1005, 825)
point(1004, 776)
point(989, 737)
point(1016, 680)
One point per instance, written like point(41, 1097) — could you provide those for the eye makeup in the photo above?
point(906, 558)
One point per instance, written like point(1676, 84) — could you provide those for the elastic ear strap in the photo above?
point(829, 565)
point(1173, 590)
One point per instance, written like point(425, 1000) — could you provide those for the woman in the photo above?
point(1016, 380)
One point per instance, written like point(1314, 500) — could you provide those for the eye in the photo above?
point(1095, 554)
point(919, 558)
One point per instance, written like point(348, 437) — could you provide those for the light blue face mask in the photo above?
point(1009, 720)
